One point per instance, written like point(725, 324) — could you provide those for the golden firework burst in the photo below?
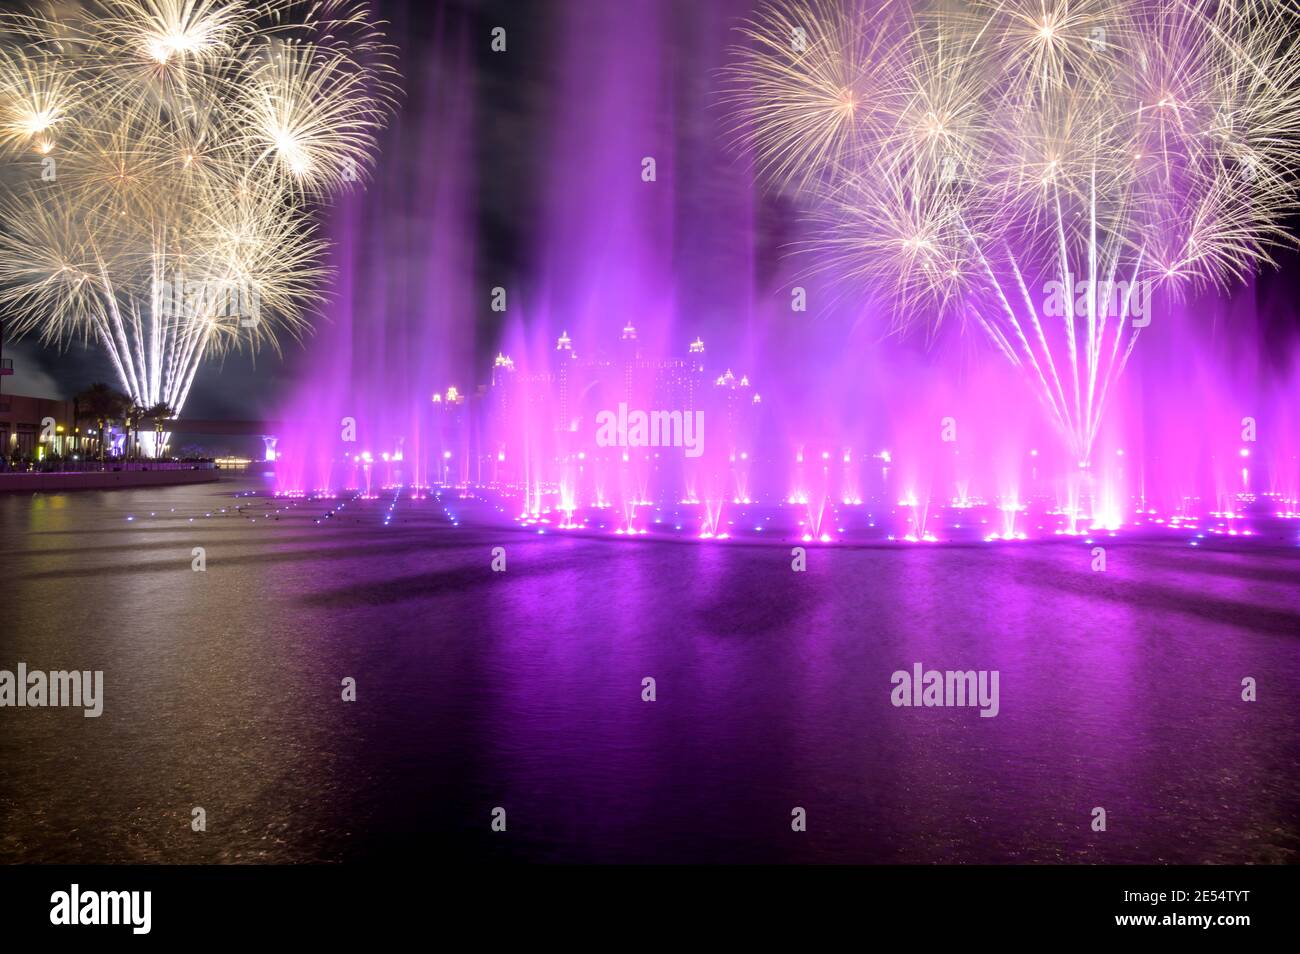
point(1012, 146)
point(166, 158)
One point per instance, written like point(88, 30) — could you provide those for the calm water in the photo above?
point(523, 690)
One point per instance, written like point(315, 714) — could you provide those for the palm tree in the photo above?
point(160, 412)
point(102, 404)
point(133, 415)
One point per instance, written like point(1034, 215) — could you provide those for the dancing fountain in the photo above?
point(651, 284)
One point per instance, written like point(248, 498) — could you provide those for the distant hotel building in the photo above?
point(533, 425)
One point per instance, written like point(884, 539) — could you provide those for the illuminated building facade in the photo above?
point(535, 427)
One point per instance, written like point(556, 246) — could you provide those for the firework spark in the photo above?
point(1033, 166)
point(165, 160)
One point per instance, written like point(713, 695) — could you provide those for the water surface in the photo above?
point(523, 690)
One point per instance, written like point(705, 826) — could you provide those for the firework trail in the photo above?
point(1034, 167)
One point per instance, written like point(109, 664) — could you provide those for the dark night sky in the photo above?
point(510, 108)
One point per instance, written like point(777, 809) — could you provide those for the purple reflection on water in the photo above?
point(523, 690)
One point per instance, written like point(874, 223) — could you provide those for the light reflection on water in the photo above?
point(523, 690)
